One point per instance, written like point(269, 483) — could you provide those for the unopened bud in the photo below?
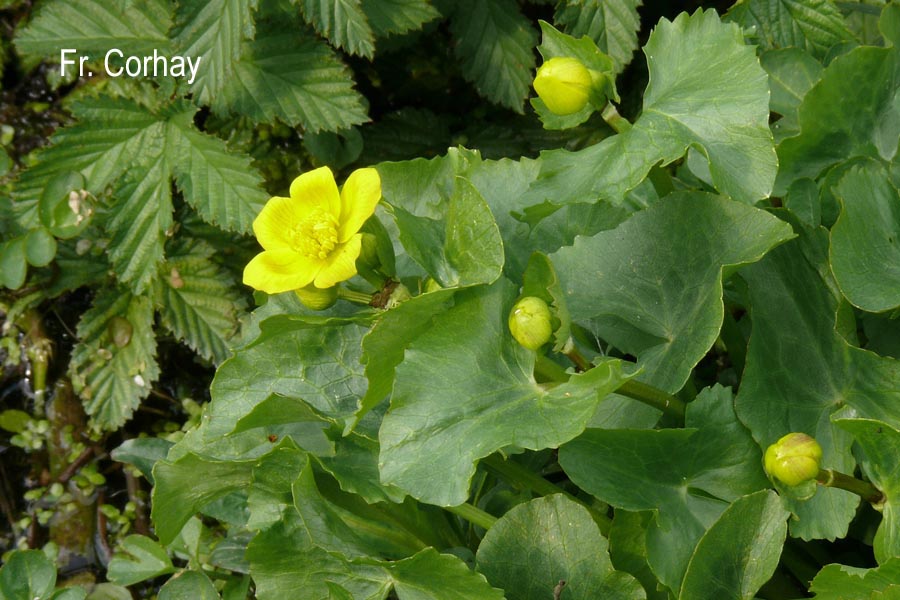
point(530, 322)
point(317, 298)
point(564, 84)
point(794, 459)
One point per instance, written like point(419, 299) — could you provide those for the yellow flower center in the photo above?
point(316, 235)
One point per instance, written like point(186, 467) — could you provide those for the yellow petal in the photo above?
point(276, 271)
point(317, 189)
point(275, 221)
point(341, 264)
point(360, 195)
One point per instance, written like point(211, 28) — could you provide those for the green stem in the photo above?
point(578, 359)
point(473, 514)
point(518, 475)
point(863, 489)
point(654, 397)
point(548, 370)
point(614, 119)
point(37, 349)
point(354, 296)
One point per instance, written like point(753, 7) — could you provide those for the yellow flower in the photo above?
point(312, 237)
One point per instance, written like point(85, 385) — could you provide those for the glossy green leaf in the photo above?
point(813, 25)
point(212, 32)
point(13, 263)
point(465, 389)
point(648, 469)
point(27, 575)
point(880, 463)
point(652, 287)
point(432, 576)
point(739, 553)
point(113, 380)
point(792, 73)
point(198, 300)
point(628, 550)
point(179, 493)
point(93, 27)
point(833, 130)
point(342, 22)
point(319, 365)
point(839, 582)
point(495, 42)
point(288, 75)
point(865, 240)
point(462, 248)
point(791, 290)
point(188, 585)
point(612, 24)
point(549, 540)
point(140, 558)
point(708, 91)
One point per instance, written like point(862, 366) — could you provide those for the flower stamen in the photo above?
point(316, 235)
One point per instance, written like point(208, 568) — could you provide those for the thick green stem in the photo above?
point(614, 119)
point(654, 397)
point(37, 349)
point(473, 514)
point(547, 370)
point(521, 477)
point(863, 489)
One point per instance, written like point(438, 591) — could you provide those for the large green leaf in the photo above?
point(212, 32)
point(398, 16)
point(112, 371)
point(880, 462)
point(612, 24)
point(839, 582)
point(185, 486)
point(198, 300)
point(463, 247)
point(343, 22)
point(221, 185)
point(814, 25)
point(287, 74)
point(832, 129)
point(865, 240)
point(791, 290)
point(140, 219)
point(495, 43)
point(739, 553)
point(645, 469)
point(792, 73)
point(92, 27)
point(281, 560)
point(549, 540)
point(707, 91)
point(319, 365)
point(465, 389)
point(653, 286)
point(100, 153)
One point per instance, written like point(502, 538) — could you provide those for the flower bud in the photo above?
point(399, 295)
point(530, 322)
point(564, 84)
point(317, 298)
point(794, 459)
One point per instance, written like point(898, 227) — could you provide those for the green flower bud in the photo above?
point(794, 459)
point(530, 322)
point(564, 84)
point(317, 298)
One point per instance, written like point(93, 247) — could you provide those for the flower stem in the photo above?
point(473, 514)
point(354, 296)
point(654, 397)
point(614, 119)
point(518, 475)
point(863, 489)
